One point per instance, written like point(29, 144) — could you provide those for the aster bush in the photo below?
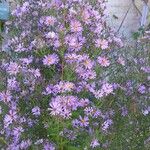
point(132, 98)
point(63, 85)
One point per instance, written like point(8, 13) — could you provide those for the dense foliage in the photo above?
point(67, 84)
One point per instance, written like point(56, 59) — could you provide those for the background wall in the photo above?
point(117, 10)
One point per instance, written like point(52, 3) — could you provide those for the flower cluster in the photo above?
point(64, 105)
point(57, 53)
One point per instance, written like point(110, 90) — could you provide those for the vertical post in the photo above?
point(144, 13)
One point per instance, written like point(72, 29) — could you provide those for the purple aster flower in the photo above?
point(95, 143)
point(76, 26)
point(88, 63)
point(36, 111)
point(26, 61)
point(103, 61)
point(51, 89)
point(96, 113)
point(69, 134)
point(7, 120)
point(64, 86)
point(88, 111)
point(146, 69)
point(49, 146)
point(103, 44)
point(74, 42)
point(107, 88)
point(50, 20)
point(17, 131)
point(93, 112)
point(106, 124)
point(85, 74)
point(84, 102)
point(86, 16)
point(5, 96)
point(55, 108)
point(25, 144)
point(83, 121)
point(75, 123)
point(50, 60)
point(63, 106)
point(142, 89)
point(56, 3)
point(12, 83)
point(13, 68)
point(121, 61)
point(35, 72)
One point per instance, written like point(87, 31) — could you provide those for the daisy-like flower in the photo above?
point(103, 44)
point(93, 112)
point(76, 26)
point(69, 86)
point(88, 111)
point(26, 61)
point(121, 61)
point(9, 118)
point(25, 144)
point(36, 111)
point(48, 146)
point(50, 60)
point(98, 93)
point(85, 74)
point(5, 96)
point(74, 42)
point(17, 131)
point(107, 88)
point(88, 63)
point(142, 89)
point(84, 102)
point(63, 106)
point(50, 20)
point(94, 143)
point(63, 86)
point(86, 16)
point(13, 68)
point(75, 123)
point(35, 72)
point(55, 108)
point(103, 61)
point(107, 124)
point(12, 84)
point(84, 122)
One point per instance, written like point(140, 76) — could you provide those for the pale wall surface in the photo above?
point(119, 8)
